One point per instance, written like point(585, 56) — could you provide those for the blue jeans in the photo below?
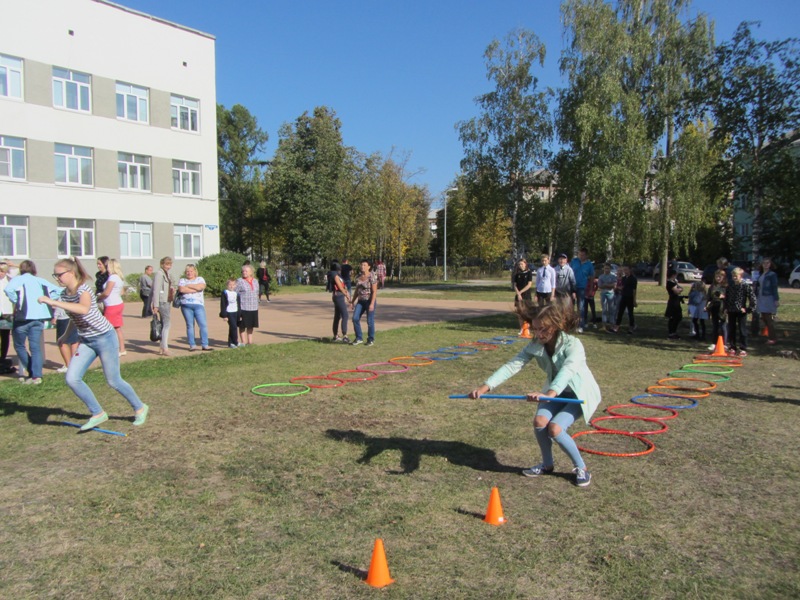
point(30, 330)
point(192, 313)
point(563, 414)
point(607, 301)
point(362, 306)
point(581, 293)
point(105, 346)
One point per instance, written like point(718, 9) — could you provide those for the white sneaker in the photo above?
point(62, 369)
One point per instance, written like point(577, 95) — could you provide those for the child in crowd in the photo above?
point(739, 300)
point(562, 358)
point(607, 282)
point(626, 300)
point(697, 309)
point(715, 300)
point(67, 344)
point(591, 290)
point(230, 307)
point(674, 310)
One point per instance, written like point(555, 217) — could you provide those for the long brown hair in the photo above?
point(74, 265)
point(559, 315)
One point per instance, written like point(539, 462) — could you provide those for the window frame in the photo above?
point(75, 227)
point(16, 251)
point(144, 234)
point(5, 59)
point(179, 240)
point(68, 77)
point(81, 159)
point(176, 104)
point(131, 92)
point(12, 152)
point(144, 165)
point(182, 169)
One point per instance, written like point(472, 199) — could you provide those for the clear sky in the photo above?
point(398, 73)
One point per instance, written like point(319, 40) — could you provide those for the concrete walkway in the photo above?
point(285, 319)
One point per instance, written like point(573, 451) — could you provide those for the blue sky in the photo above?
point(398, 73)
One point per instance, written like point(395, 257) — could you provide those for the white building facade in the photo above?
point(107, 136)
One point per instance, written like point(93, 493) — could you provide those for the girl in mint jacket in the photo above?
point(562, 358)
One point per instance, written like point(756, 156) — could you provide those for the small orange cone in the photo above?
point(719, 349)
point(378, 575)
point(765, 332)
point(526, 331)
point(494, 512)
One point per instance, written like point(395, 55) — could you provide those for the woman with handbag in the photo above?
point(161, 298)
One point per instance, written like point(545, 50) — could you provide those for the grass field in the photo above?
point(223, 494)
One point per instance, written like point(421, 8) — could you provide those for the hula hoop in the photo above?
point(427, 354)
point(506, 339)
point(718, 379)
point(288, 395)
point(398, 360)
point(664, 427)
point(382, 371)
point(492, 342)
point(723, 370)
point(479, 346)
point(706, 388)
point(650, 445)
point(676, 391)
point(318, 386)
point(332, 375)
point(610, 410)
point(458, 351)
point(693, 404)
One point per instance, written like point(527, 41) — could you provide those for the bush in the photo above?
point(216, 269)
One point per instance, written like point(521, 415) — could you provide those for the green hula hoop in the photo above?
point(720, 378)
point(706, 368)
point(268, 385)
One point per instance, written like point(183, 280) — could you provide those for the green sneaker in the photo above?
point(94, 421)
point(141, 416)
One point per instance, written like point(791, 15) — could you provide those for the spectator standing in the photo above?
point(247, 288)
point(715, 305)
point(768, 299)
point(347, 275)
point(697, 309)
point(565, 277)
point(6, 318)
point(101, 276)
point(191, 287)
point(591, 290)
point(380, 271)
point(111, 296)
point(364, 300)
point(584, 270)
point(340, 296)
point(230, 308)
point(161, 301)
point(545, 282)
point(627, 299)
point(607, 282)
point(674, 312)
point(262, 274)
point(523, 281)
point(29, 318)
point(145, 289)
point(739, 300)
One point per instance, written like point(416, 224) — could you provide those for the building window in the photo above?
point(185, 178)
point(75, 237)
point(744, 229)
point(134, 171)
point(73, 165)
point(188, 241)
point(10, 76)
point(72, 90)
point(13, 236)
point(185, 113)
point(12, 157)
point(132, 102)
point(135, 240)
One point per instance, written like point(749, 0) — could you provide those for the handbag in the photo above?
point(176, 301)
point(155, 329)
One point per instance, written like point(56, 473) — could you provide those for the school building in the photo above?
point(107, 136)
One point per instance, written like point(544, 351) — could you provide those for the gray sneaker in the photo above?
point(582, 477)
point(537, 470)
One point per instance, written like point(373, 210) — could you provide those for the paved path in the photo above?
point(285, 319)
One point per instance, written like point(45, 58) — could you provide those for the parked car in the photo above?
point(794, 278)
point(643, 269)
point(687, 272)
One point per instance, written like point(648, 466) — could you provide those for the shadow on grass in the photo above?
point(360, 573)
point(759, 397)
point(458, 453)
point(38, 415)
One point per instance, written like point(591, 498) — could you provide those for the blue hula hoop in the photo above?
point(679, 407)
point(459, 351)
point(427, 354)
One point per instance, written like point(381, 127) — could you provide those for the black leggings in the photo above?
point(339, 313)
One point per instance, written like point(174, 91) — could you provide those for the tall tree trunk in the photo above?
point(576, 241)
point(667, 209)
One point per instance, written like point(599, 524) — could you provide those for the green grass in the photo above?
point(223, 494)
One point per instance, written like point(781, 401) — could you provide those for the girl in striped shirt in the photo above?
point(97, 339)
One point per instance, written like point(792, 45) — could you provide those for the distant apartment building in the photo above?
point(107, 136)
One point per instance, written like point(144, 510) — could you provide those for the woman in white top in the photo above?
point(111, 296)
point(191, 287)
point(97, 341)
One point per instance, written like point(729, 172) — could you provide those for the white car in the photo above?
point(794, 278)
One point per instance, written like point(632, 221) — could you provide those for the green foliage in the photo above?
point(216, 269)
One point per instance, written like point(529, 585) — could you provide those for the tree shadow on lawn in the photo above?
point(458, 453)
point(758, 397)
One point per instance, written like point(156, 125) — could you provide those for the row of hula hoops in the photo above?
point(689, 384)
point(367, 372)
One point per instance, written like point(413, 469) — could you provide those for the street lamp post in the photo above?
point(452, 189)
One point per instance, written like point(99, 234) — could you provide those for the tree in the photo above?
point(505, 144)
point(754, 97)
point(239, 145)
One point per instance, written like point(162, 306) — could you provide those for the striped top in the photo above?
point(92, 323)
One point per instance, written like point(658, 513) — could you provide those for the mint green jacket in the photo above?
point(566, 368)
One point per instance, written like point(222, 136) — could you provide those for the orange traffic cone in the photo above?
point(765, 332)
point(526, 331)
point(378, 575)
point(719, 349)
point(494, 512)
